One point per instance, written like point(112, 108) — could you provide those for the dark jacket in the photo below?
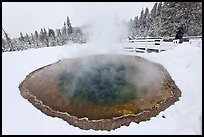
point(179, 33)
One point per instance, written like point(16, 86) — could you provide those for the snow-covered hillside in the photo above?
point(184, 63)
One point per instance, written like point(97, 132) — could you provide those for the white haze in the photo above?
point(107, 29)
point(105, 32)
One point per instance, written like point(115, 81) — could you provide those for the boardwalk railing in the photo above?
point(143, 45)
point(154, 44)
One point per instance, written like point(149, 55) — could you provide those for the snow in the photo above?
point(184, 63)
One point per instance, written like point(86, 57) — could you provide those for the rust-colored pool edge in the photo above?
point(104, 124)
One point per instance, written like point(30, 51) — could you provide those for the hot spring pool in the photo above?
point(101, 92)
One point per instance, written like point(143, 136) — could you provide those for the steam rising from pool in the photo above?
point(104, 34)
point(108, 80)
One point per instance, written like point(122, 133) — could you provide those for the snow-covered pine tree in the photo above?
point(27, 39)
point(69, 26)
point(195, 23)
point(141, 24)
point(32, 37)
point(192, 17)
point(58, 37)
point(36, 40)
point(158, 20)
point(8, 41)
point(51, 33)
point(45, 32)
point(46, 40)
point(136, 27)
point(153, 21)
point(21, 37)
point(64, 29)
point(26, 44)
point(168, 27)
point(17, 44)
point(41, 35)
point(41, 38)
point(146, 22)
point(63, 38)
point(51, 37)
point(36, 34)
point(4, 45)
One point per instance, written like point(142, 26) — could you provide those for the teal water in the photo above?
point(102, 84)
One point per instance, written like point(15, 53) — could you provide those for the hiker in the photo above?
point(179, 33)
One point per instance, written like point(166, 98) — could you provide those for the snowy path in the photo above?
point(184, 63)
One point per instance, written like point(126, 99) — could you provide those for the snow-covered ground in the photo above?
point(184, 63)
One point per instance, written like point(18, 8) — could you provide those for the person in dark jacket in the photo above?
point(179, 33)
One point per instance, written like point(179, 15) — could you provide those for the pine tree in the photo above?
point(168, 18)
point(27, 39)
point(46, 40)
point(4, 45)
point(32, 37)
point(158, 20)
point(36, 39)
point(69, 26)
point(136, 27)
point(190, 15)
point(64, 29)
point(195, 22)
point(51, 37)
point(15, 45)
point(36, 34)
point(41, 35)
point(154, 11)
point(45, 32)
point(21, 37)
point(153, 21)
point(8, 41)
point(42, 38)
point(141, 23)
point(146, 22)
point(51, 33)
